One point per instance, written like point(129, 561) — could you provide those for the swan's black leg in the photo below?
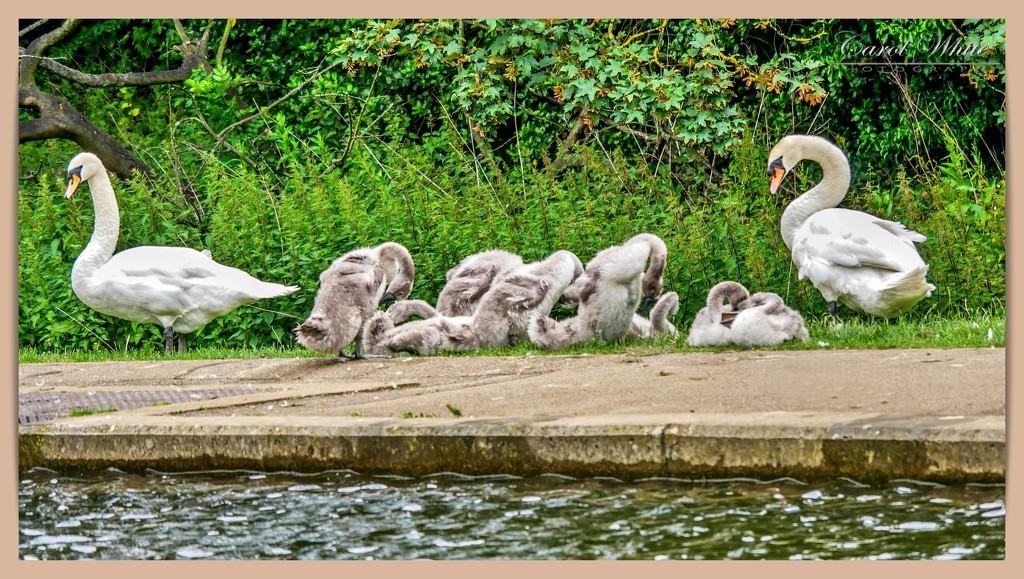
point(359, 355)
point(181, 342)
point(168, 340)
point(832, 309)
point(357, 352)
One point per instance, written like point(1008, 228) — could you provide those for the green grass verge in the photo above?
point(980, 330)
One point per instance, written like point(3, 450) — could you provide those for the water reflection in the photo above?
point(345, 515)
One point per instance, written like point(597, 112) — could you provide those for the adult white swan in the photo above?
point(868, 263)
point(179, 288)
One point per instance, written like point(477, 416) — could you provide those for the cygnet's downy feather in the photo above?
point(766, 320)
point(500, 319)
point(402, 310)
point(712, 323)
point(466, 284)
point(658, 323)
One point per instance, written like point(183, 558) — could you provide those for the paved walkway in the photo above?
point(866, 414)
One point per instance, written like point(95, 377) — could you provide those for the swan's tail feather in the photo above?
point(914, 283)
point(903, 293)
point(265, 290)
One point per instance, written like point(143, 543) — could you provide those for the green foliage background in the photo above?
point(453, 137)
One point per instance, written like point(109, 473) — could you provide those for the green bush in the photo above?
point(443, 212)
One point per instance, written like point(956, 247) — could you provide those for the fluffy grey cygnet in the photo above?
point(607, 294)
point(658, 323)
point(713, 322)
point(468, 282)
point(465, 285)
point(500, 319)
point(351, 290)
point(766, 320)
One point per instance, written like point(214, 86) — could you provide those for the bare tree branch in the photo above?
point(30, 58)
point(32, 27)
point(59, 120)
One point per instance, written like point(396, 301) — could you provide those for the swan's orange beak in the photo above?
point(777, 174)
point(74, 181)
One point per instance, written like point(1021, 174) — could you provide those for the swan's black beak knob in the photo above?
point(74, 180)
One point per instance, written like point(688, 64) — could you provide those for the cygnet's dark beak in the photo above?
point(645, 306)
point(388, 297)
point(727, 318)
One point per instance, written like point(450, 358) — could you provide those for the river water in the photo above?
point(346, 515)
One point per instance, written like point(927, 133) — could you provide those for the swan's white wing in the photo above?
point(854, 239)
point(171, 285)
point(183, 268)
point(899, 230)
point(851, 253)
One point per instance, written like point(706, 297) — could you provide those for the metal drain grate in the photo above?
point(39, 407)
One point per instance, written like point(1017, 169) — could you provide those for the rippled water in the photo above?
point(345, 515)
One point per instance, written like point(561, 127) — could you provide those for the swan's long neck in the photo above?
point(828, 193)
point(105, 230)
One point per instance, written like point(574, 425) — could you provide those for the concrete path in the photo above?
point(866, 414)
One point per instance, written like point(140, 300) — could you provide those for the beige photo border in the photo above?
point(14, 567)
